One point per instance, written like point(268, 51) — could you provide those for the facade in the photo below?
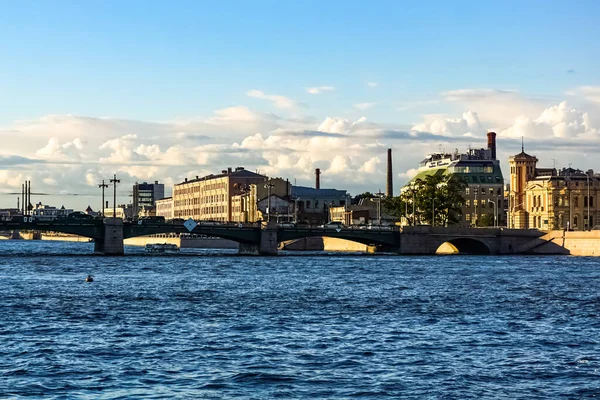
point(547, 199)
point(210, 197)
point(164, 207)
point(49, 213)
point(312, 205)
point(247, 205)
point(484, 193)
point(145, 194)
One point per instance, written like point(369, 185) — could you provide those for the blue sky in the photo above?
point(225, 72)
point(150, 60)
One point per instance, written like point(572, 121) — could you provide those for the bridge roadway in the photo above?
point(108, 235)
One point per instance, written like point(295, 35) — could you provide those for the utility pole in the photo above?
point(269, 186)
point(102, 186)
point(114, 181)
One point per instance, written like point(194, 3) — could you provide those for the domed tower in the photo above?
point(522, 169)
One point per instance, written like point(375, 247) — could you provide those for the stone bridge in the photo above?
point(108, 236)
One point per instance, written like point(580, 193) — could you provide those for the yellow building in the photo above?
point(246, 204)
point(210, 197)
point(547, 199)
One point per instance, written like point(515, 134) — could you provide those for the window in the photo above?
point(575, 221)
point(467, 217)
point(585, 201)
point(468, 203)
point(576, 201)
point(483, 202)
point(482, 179)
point(591, 201)
point(482, 190)
point(467, 191)
point(307, 203)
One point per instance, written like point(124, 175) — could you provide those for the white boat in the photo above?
point(162, 248)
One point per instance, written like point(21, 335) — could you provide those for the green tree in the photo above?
point(486, 220)
point(366, 195)
point(436, 199)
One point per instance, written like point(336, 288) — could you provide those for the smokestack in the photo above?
point(29, 197)
point(23, 199)
point(318, 178)
point(389, 188)
point(492, 143)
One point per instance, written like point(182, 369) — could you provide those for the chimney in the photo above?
point(229, 170)
point(389, 188)
point(492, 143)
point(318, 178)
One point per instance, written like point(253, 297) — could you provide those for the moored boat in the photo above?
point(162, 248)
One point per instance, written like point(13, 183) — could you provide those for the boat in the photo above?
point(162, 248)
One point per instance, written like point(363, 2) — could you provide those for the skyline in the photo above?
point(153, 92)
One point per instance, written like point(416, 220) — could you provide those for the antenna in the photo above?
point(522, 145)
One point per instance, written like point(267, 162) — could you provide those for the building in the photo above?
point(252, 203)
point(210, 197)
point(164, 207)
point(480, 170)
point(547, 198)
point(312, 205)
point(45, 212)
point(124, 211)
point(145, 194)
point(367, 211)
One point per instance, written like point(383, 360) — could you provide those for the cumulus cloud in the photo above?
point(559, 121)
point(466, 125)
point(338, 125)
point(277, 100)
point(320, 89)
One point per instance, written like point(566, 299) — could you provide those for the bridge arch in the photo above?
point(464, 246)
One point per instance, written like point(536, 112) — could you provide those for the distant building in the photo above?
point(313, 205)
point(252, 203)
point(480, 170)
point(164, 207)
point(547, 198)
point(210, 197)
point(124, 211)
point(49, 213)
point(145, 194)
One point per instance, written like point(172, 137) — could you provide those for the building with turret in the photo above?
point(549, 198)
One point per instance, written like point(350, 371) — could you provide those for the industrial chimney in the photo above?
point(491, 136)
point(318, 178)
point(389, 188)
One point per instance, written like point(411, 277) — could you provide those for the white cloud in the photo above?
point(589, 93)
point(320, 89)
point(338, 125)
point(409, 174)
point(277, 100)
point(559, 121)
point(364, 106)
point(372, 84)
point(467, 124)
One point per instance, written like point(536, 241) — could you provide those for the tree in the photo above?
point(435, 200)
point(486, 220)
point(366, 195)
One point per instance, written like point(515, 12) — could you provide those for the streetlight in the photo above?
point(103, 186)
point(269, 186)
point(114, 181)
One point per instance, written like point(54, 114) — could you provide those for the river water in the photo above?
point(211, 324)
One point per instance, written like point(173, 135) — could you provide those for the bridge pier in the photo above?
point(268, 242)
point(112, 243)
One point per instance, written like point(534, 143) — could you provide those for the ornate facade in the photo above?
point(547, 199)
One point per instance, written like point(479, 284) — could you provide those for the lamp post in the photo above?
point(269, 186)
point(114, 181)
point(102, 186)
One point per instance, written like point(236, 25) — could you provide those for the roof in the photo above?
point(239, 173)
point(522, 156)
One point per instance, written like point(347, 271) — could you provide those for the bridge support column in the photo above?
point(112, 243)
point(268, 240)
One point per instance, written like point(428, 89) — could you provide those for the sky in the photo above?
point(168, 90)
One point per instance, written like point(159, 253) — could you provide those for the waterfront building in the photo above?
point(367, 211)
point(164, 207)
point(313, 205)
point(482, 174)
point(210, 197)
point(252, 203)
point(145, 194)
point(49, 213)
point(549, 198)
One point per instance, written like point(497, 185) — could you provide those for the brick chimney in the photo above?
point(491, 136)
point(389, 188)
point(318, 178)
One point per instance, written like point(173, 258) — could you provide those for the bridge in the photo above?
point(108, 235)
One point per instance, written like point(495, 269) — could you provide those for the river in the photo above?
point(212, 324)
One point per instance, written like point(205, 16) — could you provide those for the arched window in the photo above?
point(576, 221)
point(576, 202)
